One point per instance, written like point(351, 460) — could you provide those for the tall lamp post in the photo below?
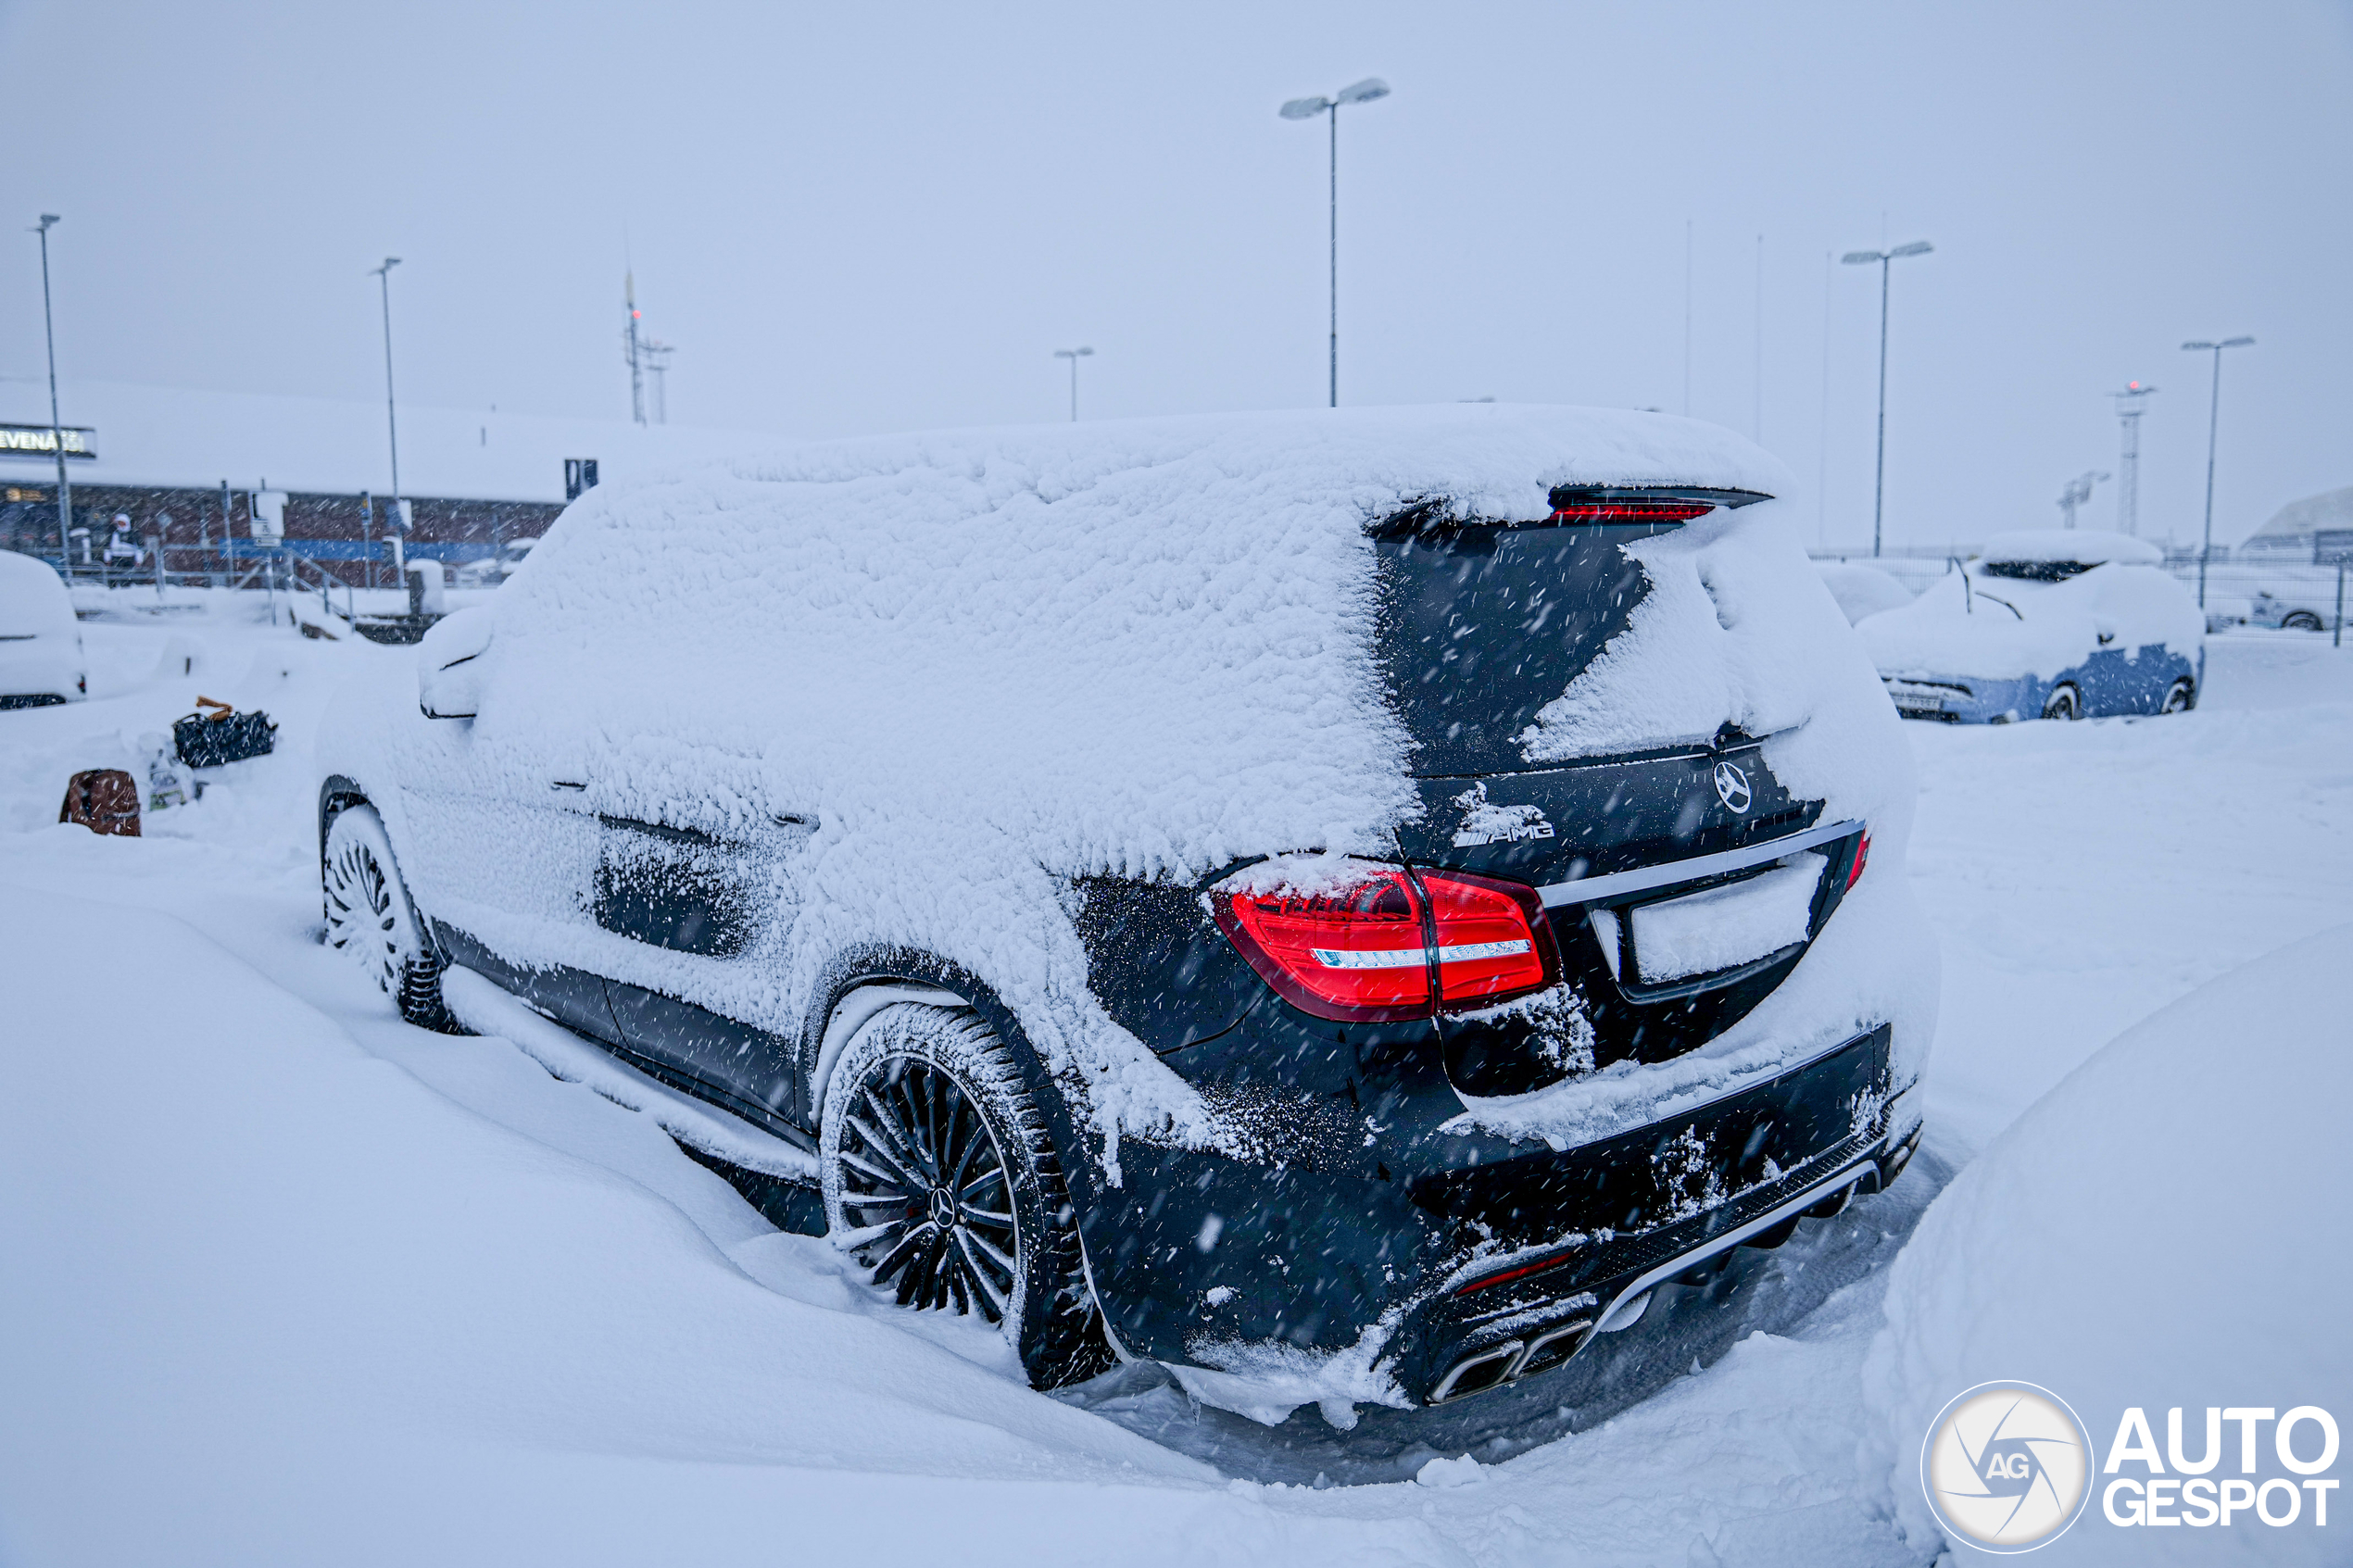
point(1885, 259)
point(56, 431)
point(1074, 355)
point(2213, 429)
point(392, 423)
point(1364, 92)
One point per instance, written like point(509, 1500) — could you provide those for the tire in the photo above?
point(2300, 621)
point(2063, 703)
point(2180, 697)
point(941, 1175)
point(370, 918)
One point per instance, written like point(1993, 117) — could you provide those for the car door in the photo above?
point(711, 900)
point(499, 840)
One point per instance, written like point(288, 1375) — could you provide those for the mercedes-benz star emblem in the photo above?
point(1731, 787)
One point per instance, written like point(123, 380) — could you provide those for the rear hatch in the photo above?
point(1482, 627)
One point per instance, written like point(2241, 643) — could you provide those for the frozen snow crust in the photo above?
point(2155, 1231)
point(1139, 649)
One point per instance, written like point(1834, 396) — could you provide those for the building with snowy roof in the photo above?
point(2317, 529)
point(197, 469)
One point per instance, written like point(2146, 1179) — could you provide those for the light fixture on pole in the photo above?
point(2213, 429)
point(392, 424)
point(2077, 491)
point(1074, 355)
point(2127, 462)
point(1364, 92)
point(1885, 258)
point(56, 431)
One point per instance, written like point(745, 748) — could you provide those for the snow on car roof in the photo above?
point(33, 596)
point(2084, 547)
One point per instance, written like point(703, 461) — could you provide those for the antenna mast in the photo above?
point(631, 349)
point(2128, 463)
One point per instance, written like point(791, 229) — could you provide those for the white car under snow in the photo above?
point(41, 658)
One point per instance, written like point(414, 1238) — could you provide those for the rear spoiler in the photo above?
point(1661, 505)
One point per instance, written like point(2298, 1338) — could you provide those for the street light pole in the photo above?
point(2213, 429)
point(1364, 92)
point(1074, 355)
point(392, 422)
point(56, 431)
point(1885, 259)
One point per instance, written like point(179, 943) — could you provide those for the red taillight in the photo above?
point(1631, 511)
point(1492, 942)
point(1357, 951)
point(1352, 952)
point(1862, 853)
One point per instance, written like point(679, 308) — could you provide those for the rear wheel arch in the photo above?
point(337, 793)
point(863, 983)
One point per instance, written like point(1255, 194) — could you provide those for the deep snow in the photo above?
point(290, 1281)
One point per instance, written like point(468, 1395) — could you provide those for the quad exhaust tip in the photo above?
point(1494, 1365)
point(1514, 1359)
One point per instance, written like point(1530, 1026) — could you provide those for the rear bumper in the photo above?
point(1486, 1249)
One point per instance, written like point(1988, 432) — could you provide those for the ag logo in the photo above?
point(2006, 1467)
point(1731, 787)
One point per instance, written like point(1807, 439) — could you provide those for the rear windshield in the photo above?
point(2036, 570)
point(1482, 626)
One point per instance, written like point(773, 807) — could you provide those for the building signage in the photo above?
point(39, 441)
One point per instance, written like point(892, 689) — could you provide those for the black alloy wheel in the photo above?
point(2180, 697)
point(2062, 704)
point(941, 1175)
point(922, 1167)
point(369, 918)
point(2301, 621)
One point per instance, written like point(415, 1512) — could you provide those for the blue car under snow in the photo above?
point(2052, 623)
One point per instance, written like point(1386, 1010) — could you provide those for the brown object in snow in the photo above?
point(103, 800)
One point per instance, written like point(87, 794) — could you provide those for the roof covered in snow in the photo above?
point(2086, 546)
point(2299, 520)
point(160, 435)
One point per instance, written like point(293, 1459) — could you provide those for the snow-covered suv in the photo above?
point(1359, 896)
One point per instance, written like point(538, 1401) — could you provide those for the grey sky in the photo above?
point(870, 218)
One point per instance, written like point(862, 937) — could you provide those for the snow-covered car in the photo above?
point(2291, 611)
point(2045, 623)
point(1348, 904)
point(41, 660)
point(1861, 590)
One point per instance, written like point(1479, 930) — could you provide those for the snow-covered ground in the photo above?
point(286, 1281)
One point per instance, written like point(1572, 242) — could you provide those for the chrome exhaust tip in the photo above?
point(1510, 1361)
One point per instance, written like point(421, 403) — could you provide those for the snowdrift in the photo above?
point(2159, 1229)
point(1861, 590)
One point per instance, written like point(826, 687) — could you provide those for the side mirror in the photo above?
point(449, 664)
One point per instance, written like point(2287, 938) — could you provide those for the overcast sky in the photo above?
point(864, 218)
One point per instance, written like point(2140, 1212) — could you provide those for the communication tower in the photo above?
point(2127, 462)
